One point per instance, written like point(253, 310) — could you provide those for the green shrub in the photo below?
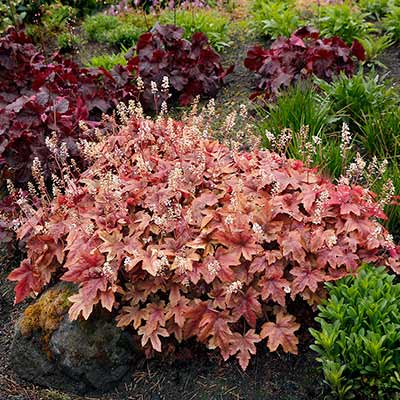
point(343, 21)
point(116, 31)
point(374, 46)
point(67, 41)
point(376, 8)
point(276, 19)
point(107, 61)
point(359, 339)
point(214, 24)
point(391, 22)
point(357, 96)
point(55, 20)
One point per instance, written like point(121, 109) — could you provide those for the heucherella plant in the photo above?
point(181, 236)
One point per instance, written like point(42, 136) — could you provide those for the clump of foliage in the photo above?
point(276, 18)
point(38, 98)
point(374, 46)
point(342, 20)
point(298, 57)
point(181, 236)
point(107, 61)
point(359, 339)
point(193, 68)
point(212, 23)
point(117, 31)
point(67, 41)
point(55, 21)
point(359, 95)
point(18, 12)
point(376, 8)
point(391, 22)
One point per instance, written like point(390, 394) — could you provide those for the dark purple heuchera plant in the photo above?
point(298, 57)
point(38, 98)
point(192, 67)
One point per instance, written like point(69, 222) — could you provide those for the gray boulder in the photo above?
point(80, 356)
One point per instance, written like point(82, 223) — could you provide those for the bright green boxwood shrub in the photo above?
point(359, 339)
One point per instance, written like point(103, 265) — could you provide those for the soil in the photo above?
point(391, 59)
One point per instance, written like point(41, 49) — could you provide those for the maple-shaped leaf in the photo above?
point(246, 305)
point(239, 242)
point(131, 314)
point(220, 265)
point(245, 346)
point(81, 304)
point(112, 244)
point(156, 314)
point(306, 277)
point(82, 269)
point(27, 279)
point(149, 263)
point(293, 244)
point(221, 334)
point(107, 299)
point(178, 311)
point(281, 333)
point(273, 287)
point(194, 314)
point(152, 333)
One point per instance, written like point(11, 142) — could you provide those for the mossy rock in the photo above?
point(79, 356)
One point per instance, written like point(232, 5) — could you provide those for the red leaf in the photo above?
point(245, 345)
point(281, 333)
point(27, 282)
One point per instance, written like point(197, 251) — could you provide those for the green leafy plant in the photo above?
point(107, 61)
point(276, 18)
point(359, 339)
point(376, 8)
point(211, 22)
point(359, 95)
point(55, 20)
point(67, 41)
point(391, 23)
point(343, 21)
point(374, 46)
point(298, 107)
point(117, 30)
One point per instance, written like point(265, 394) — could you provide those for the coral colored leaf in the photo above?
point(274, 288)
point(247, 306)
point(81, 304)
point(152, 333)
point(131, 314)
point(306, 277)
point(281, 333)
point(245, 346)
point(107, 299)
point(293, 245)
point(178, 311)
point(27, 283)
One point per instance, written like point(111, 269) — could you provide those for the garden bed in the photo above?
point(191, 371)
